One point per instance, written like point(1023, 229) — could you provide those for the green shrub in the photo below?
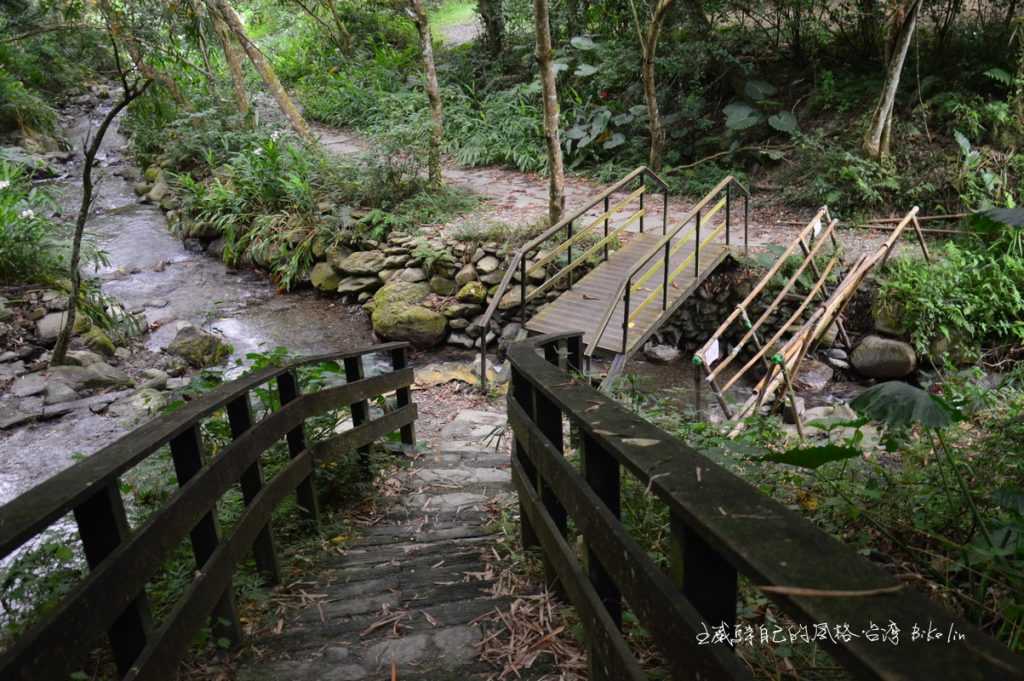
point(969, 297)
point(32, 246)
point(23, 109)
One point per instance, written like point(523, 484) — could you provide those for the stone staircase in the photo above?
point(408, 593)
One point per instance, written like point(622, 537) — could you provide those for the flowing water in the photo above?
point(151, 271)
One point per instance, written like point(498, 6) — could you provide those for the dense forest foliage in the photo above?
point(869, 106)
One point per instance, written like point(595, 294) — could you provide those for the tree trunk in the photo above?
point(234, 63)
point(877, 137)
point(695, 10)
point(433, 92)
point(264, 68)
point(650, 45)
point(556, 183)
point(60, 350)
point(493, 19)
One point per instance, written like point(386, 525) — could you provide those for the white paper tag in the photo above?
point(817, 226)
point(712, 353)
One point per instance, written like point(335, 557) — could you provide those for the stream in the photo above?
point(151, 271)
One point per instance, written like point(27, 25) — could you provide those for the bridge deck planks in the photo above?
point(582, 307)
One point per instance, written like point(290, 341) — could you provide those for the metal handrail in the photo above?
point(664, 243)
point(518, 261)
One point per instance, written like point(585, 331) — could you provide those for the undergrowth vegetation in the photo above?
point(780, 101)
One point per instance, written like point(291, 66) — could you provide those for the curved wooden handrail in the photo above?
point(517, 259)
point(112, 597)
point(28, 514)
point(654, 251)
point(721, 528)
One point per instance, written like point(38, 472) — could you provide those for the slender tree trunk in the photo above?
point(92, 146)
point(264, 68)
point(877, 139)
point(493, 19)
point(234, 63)
point(556, 171)
point(419, 15)
point(650, 45)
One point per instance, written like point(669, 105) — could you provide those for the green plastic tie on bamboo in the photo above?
point(776, 359)
point(697, 361)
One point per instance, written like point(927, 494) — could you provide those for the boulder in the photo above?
point(57, 393)
point(514, 297)
point(460, 340)
point(49, 325)
point(473, 293)
point(99, 375)
point(465, 275)
point(98, 341)
point(413, 274)
point(159, 191)
point(155, 379)
point(661, 354)
point(461, 310)
point(401, 292)
point(28, 385)
point(419, 325)
point(323, 277)
point(358, 284)
point(83, 358)
point(387, 275)
point(883, 358)
point(199, 348)
point(395, 262)
point(492, 278)
point(442, 286)
point(487, 264)
point(362, 263)
point(813, 376)
point(337, 255)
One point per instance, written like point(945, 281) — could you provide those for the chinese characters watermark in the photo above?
point(888, 633)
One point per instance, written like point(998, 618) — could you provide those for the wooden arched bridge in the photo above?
point(724, 534)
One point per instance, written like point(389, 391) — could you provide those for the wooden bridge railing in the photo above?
point(112, 597)
point(721, 528)
point(564, 229)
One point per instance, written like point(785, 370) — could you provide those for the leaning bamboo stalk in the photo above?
point(822, 278)
point(816, 220)
point(775, 302)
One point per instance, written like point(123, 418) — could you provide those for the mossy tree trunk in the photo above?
point(545, 59)
point(877, 139)
point(263, 67)
point(419, 16)
point(234, 63)
point(493, 18)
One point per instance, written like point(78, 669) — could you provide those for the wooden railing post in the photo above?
point(305, 493)
point(354, 371)
point(403, 396)
point(706, 579)
point(187, 453)
point(102, 526)
point(240, 418)
point(522, 393)
point(548, 417)
point(574, 353)
point(602, 473)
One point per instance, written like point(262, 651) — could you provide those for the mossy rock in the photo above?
point(473, 292)
point(324, 278)
point(419, 325)
point(199, 348)
point(99, 342)
point(442, 286)
point(401, 292)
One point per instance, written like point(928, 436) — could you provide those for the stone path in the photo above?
point(408, 592)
